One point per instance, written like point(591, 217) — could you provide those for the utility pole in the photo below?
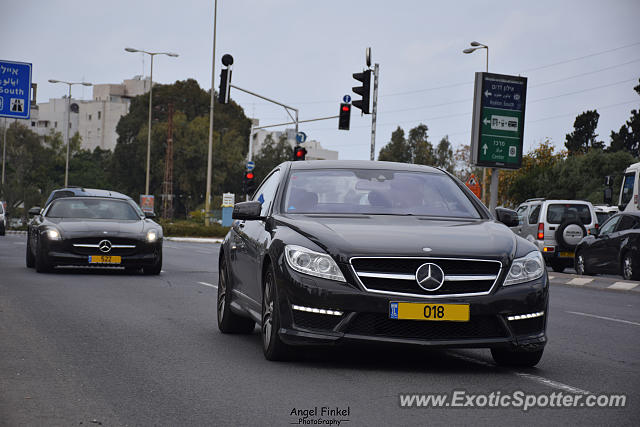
point(167, 184)
point(374, 115)
point(4, 151)
point(207, 200)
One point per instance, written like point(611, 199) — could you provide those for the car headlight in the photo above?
point(525, 269)
point(152, 236)
point(313, 263)
point(53, 234)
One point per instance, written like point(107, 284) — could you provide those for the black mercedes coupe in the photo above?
point(94, 228)
point(327, 252)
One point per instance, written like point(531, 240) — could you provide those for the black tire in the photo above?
point(228, 321)
point(557, 265)
point(630, 267)
point(581, 265)
point(156, 268)
point(3, 231)
point(516, 358)
point(272, 345)
point(29, 258)
point(42, 264)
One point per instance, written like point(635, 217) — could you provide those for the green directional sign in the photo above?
point(498, 120)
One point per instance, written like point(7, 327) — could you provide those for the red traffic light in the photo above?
point(299, 153)
point(249, 175)
point(345, 108)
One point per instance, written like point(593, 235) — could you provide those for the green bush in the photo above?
point(182, 228)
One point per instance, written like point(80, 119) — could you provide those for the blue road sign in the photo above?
point(251, 166)
point(502, 93)
point(301, 137)
point(346, 99)
point(15, 89)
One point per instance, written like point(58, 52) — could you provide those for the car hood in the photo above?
point(70, 227)
point(391, 235)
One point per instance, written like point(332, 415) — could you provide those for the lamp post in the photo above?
point(475, 46)
point(151, 54)
point(207, 198)
point(66, 167)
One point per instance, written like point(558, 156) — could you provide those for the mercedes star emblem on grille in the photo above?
point(430, 277)
point(104, 246)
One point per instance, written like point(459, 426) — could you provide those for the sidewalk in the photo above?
point(594, 282)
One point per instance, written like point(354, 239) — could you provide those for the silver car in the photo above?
point(556, 227)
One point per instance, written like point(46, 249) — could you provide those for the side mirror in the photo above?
point(34, 211)
point(247, 210)
point(507, 217)
point(608, 195)
point(149, 215)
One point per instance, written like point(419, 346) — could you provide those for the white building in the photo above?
point(314, 148)
point(95, 120)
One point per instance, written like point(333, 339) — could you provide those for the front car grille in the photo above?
point(396, 276)
point(378, 324)
point(89, 246)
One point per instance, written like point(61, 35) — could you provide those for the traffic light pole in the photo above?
point(374, 115)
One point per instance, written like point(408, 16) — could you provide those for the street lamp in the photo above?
point(66, 167)
point(151, 54)
point(207, 200)
point(476, 46)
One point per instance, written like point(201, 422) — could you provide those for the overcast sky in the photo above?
point(304, 52)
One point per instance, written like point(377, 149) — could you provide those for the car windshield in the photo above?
point(559, 212)
point(90, 208)
point(627, 188)
point(368, 191)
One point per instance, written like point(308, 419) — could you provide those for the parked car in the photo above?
point(3, 219)
point(328, 252)
point(93, 229)
point(614, 248)
point(556, 227)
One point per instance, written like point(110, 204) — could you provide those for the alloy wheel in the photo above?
point(222, 290)
point(267, 311)
point(580, 264)
point(627, 268)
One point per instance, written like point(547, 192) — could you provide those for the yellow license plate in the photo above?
point(437, 312)
point(104, 259)
point(566, 254)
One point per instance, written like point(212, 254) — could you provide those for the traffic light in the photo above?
point(299, 153)
point(345, 116)
point(248, 184)
point(364, 90)
point(225, 86)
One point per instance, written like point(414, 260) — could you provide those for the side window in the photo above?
point(626, 223)
point(610, 225)
point(522, 212)
point(267, 192)
point(534, 215)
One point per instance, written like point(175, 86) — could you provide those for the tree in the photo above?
point(583, 137)
point(628, 137)
point(444, 155)
point(396, 150)
point(420, 149)
point(271, 154)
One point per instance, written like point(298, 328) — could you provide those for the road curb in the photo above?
point(194, 239)
point(594, 282)
point(16, 232)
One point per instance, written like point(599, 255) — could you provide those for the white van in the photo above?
point(629, 200)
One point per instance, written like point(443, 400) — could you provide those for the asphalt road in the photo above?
point(84, 347)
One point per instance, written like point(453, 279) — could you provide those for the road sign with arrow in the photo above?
point(498, 120)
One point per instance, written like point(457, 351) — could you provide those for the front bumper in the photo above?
point(365, 316)
point(62, 253)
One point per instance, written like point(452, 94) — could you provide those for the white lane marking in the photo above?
point(208, 284)
point(541, 380)
point(162, 271)
point(552, 277)
point(553, 384)
point(19, 243)
point(604, 318)
point(626, 286)
point(204, 252)
point(579, 281)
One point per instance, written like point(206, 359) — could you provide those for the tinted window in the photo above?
point(267, 192)
point(90, 208)
point(535, 214)
point(626, 223)
point(610, 225)
point(1, 208)
point(602, 217)
point(557, 213)
point(369, 191)
point(627, 188)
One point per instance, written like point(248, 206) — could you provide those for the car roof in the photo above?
point(361, 164)
point(85, 192)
